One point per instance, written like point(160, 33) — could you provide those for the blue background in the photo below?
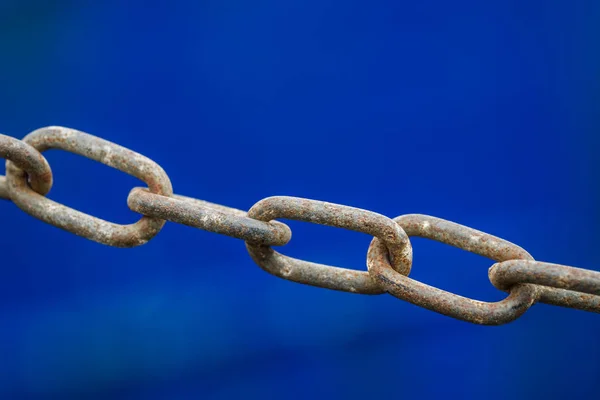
point(484, 113)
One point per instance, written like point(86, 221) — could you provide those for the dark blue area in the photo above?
point(484, 113)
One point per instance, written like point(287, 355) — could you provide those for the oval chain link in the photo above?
point(521, 296)
point(319, 212)
point(559, 285)
point(209, 217)
point(74, 221)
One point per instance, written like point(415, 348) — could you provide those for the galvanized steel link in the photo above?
point(74, 221)
point(396, 243)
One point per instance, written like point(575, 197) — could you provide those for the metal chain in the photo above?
point(389, 257)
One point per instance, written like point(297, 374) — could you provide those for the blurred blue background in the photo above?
point(484, 113)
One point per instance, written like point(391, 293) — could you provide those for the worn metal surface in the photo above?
point(4, 188)
point(28, 159)
point(75, 221)
point(521, 296)
point(560, 285)
point(389, 257)
point(393, 238)
point(209, 217)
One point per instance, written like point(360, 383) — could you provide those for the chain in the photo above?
point(389, 257)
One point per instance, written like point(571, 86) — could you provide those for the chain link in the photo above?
point(389, 256)
point(75, 221)
point(521, 297)
point(558, 284)
point(319, 212)
point(209, 217)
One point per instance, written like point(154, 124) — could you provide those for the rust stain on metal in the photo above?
point(521, 296)
point(393, 238)
point(74, 221)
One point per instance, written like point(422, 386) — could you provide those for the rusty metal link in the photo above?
point(209, 217)
point(389, 257)
point(521, 297)
point(559, 284)
point(75, 221)
point(393, 239)
point(28, 159)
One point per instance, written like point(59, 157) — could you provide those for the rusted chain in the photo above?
point(209, 217)
point(521, 296)
point(75, 221)
point(389, 257)
point(560, 285)
point(319, 212)
point(28, 159)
